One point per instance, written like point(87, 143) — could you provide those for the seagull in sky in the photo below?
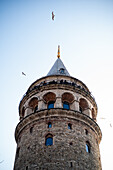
point(110, 125)
point(105, 118)
point(53, 15)
point(23, 74)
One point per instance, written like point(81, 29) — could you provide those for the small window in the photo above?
point(66, 105)
point(80, 109)
point(62, 70)
point(49, 125)
point(31, 129)
point(88, 150)
point(18, 151)
point(69, 126)
point(49, 140)
point(36, 108)
point(86, 131)
point(71, 143)
point(51, 105)
point(71, 164)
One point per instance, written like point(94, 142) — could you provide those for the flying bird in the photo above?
point(102, 118)
point(1, 161)
point(23, 74)
point(110, 125)
point(109, 122)
point(53, 15)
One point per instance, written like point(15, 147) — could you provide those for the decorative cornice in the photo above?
point(57, 85)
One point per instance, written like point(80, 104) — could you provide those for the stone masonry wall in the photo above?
point(68, 150)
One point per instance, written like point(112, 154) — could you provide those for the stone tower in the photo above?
point(57, 128)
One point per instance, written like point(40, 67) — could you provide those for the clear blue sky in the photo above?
point(28, 43)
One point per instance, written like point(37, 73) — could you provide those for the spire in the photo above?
point(58, 67)
point(58, 51)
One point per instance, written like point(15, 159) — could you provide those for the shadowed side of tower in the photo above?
point(57, 128)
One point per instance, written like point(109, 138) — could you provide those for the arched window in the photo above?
point(69, 126)
point(34, 103)
point(83, 105)
point(93, 114)
point(88, 147)
point(49, 125)
point(51, 105)
point(67, 100)
point(66, 105)
point(49, 97)
point(49, 140)
point(23, 112)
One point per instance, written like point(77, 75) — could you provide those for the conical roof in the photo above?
point(58, 69)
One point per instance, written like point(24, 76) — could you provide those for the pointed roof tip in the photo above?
point(58, 67)
point(58, 51)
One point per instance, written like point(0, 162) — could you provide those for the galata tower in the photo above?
point(57, 128)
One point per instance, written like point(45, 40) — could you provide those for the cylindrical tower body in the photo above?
point(57, 128)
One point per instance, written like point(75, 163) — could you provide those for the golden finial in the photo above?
point(58, 51)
